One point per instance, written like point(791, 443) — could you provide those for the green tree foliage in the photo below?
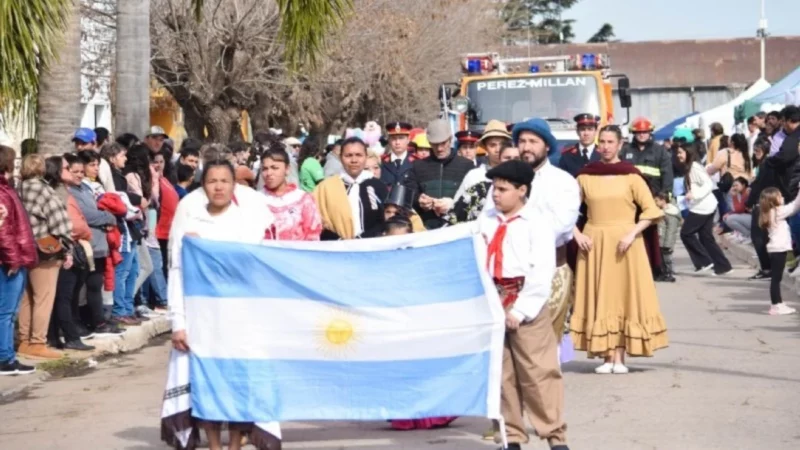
point(538, 20)
point(30, 35)
point(604, 34)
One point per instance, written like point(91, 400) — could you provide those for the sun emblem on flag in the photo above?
point(339, 332)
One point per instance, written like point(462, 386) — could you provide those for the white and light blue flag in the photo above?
point(400, 327)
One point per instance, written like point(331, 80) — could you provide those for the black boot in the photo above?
point(511, 447)
point(77, 344)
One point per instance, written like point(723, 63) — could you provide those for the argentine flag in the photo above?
point(400, 327)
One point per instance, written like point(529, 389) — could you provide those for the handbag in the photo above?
point(50, 248)
point(80, 260)
point(726, 180)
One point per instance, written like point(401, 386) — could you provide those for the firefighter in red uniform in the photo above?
point(574, 157)
point(653, 160)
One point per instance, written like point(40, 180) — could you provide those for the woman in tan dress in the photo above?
point(616, 305)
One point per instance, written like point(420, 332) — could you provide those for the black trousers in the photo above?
point(759, 238)
point(63, 318)
point(697, 234)
point(94, 294)
point(163, 245)
point(778, 262)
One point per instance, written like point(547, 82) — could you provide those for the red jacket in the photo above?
point(169, 203)
point(114, 205)
point(17, 246)
point(739, 202)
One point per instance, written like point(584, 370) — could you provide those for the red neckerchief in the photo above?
point(496, 247)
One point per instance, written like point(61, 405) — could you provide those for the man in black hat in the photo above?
point(400, 202)
point(574, 157)
point(397, 161)
point(531, 377)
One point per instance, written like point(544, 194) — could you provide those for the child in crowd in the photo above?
point(738, 219)
point(521, 258)
point(397, 225)
point(668, 230)
point(772, 218)
point(398, 203)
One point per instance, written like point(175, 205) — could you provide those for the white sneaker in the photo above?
point(705, 269)
point(605, 369)
point(619, 369)
point(781, 310)
point(147, 312)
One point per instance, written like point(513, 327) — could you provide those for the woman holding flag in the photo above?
point(215, 218)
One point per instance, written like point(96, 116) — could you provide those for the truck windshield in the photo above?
point(513, 100)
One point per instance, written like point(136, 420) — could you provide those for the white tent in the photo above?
point(724, 113)
point(793, 97)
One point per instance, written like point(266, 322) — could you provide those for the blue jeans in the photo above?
point(125, 284)
point(11, 288)
point(794, 227)
point(155, 283)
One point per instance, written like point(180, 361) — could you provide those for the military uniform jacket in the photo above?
point(655, 163)
point(572, 161)
point(391, 174)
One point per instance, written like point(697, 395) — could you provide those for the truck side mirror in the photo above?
point(624, 92)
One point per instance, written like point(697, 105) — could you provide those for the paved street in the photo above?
point(730, 380)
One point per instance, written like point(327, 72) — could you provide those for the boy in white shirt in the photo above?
point(521, 259)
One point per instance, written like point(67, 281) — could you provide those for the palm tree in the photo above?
point(304, 25)
point(29, 41)
point(133, 67)
point(59, 95)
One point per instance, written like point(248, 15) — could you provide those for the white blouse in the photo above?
point(529, 250)
point(701, 186)
point(239, 223)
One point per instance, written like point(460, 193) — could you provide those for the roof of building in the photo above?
point(721, 62)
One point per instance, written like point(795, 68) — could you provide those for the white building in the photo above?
point(97, 56)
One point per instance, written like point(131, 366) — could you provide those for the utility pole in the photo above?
point(762, 34)
point(561, 24)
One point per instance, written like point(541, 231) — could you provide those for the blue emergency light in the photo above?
point(534, 69)
point(588, 61)
point(473, 66)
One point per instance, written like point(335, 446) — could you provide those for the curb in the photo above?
point(134, 339)
point(747, 254)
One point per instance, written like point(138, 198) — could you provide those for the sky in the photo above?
point(648, 20)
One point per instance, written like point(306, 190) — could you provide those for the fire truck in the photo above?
point(554, 88)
